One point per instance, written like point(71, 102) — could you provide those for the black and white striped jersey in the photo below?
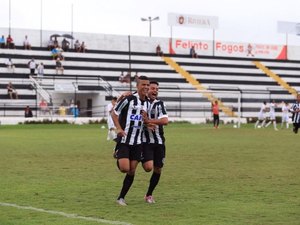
point(296, 115)
point(157, 110)
point(129, 111)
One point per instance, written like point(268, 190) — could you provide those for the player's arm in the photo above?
point(294, 109)
point(162, 117)
point(124, 95)
point(161, 121)
point(115, 116)
point(120, 132)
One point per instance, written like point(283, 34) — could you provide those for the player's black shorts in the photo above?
point(132, 152)
point(154, 152)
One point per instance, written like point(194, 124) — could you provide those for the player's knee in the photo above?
point(123, 167)
point(147, 168)
point(124, 170)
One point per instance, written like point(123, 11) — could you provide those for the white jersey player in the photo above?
point(261, 115)
point(112, 135)
point(285, 115)
point(272, 114)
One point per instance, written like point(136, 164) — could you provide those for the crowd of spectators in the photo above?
point(53, 43)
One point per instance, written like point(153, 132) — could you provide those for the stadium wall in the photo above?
point(168, 45)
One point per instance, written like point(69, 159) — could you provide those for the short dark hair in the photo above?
point(114, 98)
point(154, 82)
point(143, 78)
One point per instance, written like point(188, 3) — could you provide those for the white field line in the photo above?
point(68, 215)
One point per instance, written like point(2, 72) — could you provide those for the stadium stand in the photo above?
point(95, 75)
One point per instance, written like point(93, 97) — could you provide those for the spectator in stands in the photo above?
point(215, 111)
point(26, 43)
point(82, 47)
point(43, 107)
point(2, 42)
point(40, 70)
point(249, 50)
point(51, 106)
point(28, 112)
point(77, 46)
point(193, 53)
point(50, 44)
point(159, 52)
point(32, 66)
point(60, 53)
point(71, 106)
point(59, 66)
point(62, 110)
point(57, 53)
point(121, 77)
point(64, 103)
point(65, 45)
point(54, 53)
point(75, 111)
point(11, 91)
point(125, 78)
point(10, 42)
point(55, 42)
point(136, 77)
point(10, 65)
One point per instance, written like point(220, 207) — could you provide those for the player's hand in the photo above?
point(145, 116)
point(121, 133)
point(151, 126)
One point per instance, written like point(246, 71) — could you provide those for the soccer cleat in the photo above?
point(121, 201)
point(295, 129)
point(149, 199)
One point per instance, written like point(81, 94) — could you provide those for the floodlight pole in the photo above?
point(9, 18)
point(214, 42)
point(41, 31)
point(286, 43)
point(72, 25)
point(150, 19)
point(129, 55)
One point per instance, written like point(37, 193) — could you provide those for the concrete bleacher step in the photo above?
point(212, 72)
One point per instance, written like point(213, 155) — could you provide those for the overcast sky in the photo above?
point(239, 20)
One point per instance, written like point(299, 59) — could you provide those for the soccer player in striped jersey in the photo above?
point(128, 119)
point(295, 109)
point(153, 153)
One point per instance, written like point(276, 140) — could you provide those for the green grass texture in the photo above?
point(212, 177)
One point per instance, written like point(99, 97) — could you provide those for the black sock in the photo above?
point(128, 180)
point(153, 182)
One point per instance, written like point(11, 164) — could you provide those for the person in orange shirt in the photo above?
point(215, 111)
point(43, 107)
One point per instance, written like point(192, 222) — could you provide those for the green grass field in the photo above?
point(211, 177)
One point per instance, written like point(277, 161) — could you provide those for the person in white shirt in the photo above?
point(285, 115)
point(40, 69)
point(10, 65)
point(26, 43)
point(32, 66)
point(272, 116)
point(112, 135)
point(261, 115)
